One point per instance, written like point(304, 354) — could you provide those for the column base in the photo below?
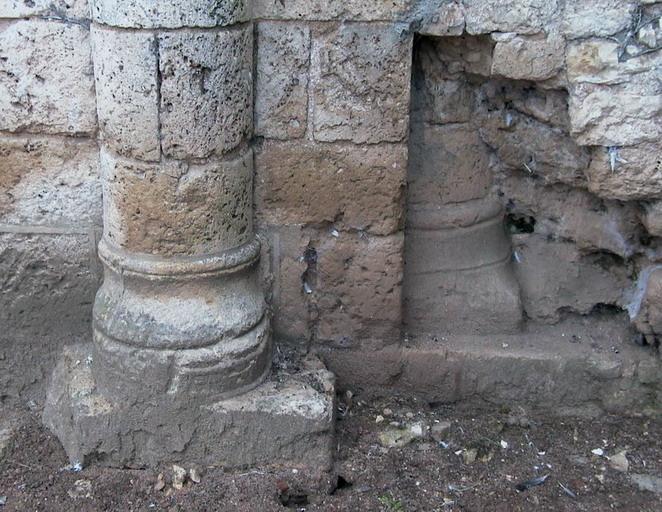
point(288, 419)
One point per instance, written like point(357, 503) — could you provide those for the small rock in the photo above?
point(619, 462)
point(410, 415)
point(598, 451)
point(469, 456)
point(195, 475)
point(178, 476)
point(387, 412)
point(439, 430)
point(647, 36)
point(3, 500)
point(647, 482)
point(81, 489)
point(399, 437)
point(504, 444)
point(379, 418)
point(160, 483)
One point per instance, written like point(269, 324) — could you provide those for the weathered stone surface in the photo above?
point(523, 143)
point(554, 277)
point(565, 374)
point(126, 77)
point(617, 115)
point(652, 218)
point(448, 164)
point(288, 422)
point(528, 57)
point(645, 305)
point(358, 290)
point(46, 292)
point(194, 13)
point(148, 205)
point(454, 57)
point(46, 78)
point(322, 10)
point(521, 16)
point(438, 101)
point(293, 315)
point(596, 18)
point(458, 277)
point(596, 61)
point(49, 181)
point(440, 18)
point(360, 78)
point(206, 91)
point(570, 214)
point(281, 104)
point(66, 9)
point(636, 173)
point(338, 289)
point(352, 187)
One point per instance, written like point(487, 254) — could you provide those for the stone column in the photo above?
point(180, 322)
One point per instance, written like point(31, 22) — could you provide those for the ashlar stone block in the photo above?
point(528, 57)
point(168, 14)
point(51, 181)
point(360, 78)
point(521, 16)
point(352, 187)
point(46, 78)
point(616, 115)
point(66, 9)
point(281, 105)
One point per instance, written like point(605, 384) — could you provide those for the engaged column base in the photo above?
point(288, 420)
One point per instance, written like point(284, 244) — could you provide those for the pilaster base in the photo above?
point(288, 420)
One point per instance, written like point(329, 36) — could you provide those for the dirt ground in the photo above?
point(431, 467)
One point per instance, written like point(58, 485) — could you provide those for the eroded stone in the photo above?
point(126, 76)
point(281, 106)
point(206, 91)
point(352, 187)
point(360, 76)
point(147, 205)
point(287, 422)
point(626, 173)
point(528, 57)
point(39, 60)
point(554, 277)
point(194, 13)
point(49, 181)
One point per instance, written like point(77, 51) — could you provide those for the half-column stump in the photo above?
point(179, 367)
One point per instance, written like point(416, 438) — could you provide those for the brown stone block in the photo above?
point(281, 102)
point(352, 187)
point(360, 76)
point(636, 172)
point(524, 143)
point(358, 290)
point(554, 277)
point(49, 181)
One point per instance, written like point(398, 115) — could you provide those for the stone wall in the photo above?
point(50, 195)
point(569, 119)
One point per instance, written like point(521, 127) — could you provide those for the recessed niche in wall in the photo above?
point(500, 228)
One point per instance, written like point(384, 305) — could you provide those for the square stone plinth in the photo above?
point(286, 420)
